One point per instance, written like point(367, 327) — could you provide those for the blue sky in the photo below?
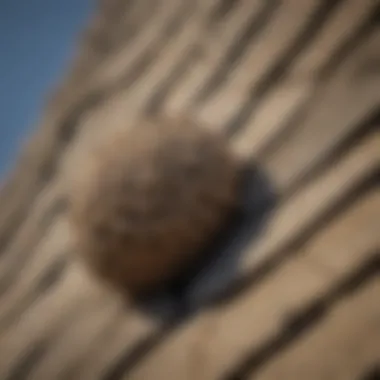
point(37, 40)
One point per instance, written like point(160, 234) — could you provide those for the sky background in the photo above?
point(37, 41)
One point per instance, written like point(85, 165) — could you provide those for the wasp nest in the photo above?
point(149, 199)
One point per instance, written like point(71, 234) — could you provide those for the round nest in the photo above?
point(149, 199)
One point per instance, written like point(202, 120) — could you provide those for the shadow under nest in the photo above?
point(217, 265)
